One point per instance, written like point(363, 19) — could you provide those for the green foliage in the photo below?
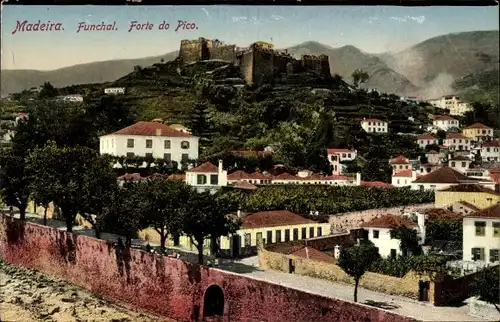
point(326, 200)
point(400, 266)
point(359, 76)
point(14, 182)
point(356, 260)
point(450, 230)
point(487, 285)
point(47, 91)
point(409, 244)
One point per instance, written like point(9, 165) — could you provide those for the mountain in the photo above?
point(428, 69)
point(13, 81)
point(436, 63)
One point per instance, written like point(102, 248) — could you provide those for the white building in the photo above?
point(481, 235)
point(207, 177)
point(478, 131)
point(374, 126)
point(72, 98)
point(453, 104)
point(114, 90)
point(151, 139)
point(426, 139)
point(400, 163)
point(379, 233)
point(336, 156)
point(459, 163)
point(404, 178)
point(445, 122)
point(457, 142)
point(440, 179)
point(490, 151)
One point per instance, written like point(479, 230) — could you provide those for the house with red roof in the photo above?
point(460, 163)
point(372, 125)
point(445, 122)
point(403, 178)
point(426, 139)
point(379, 233)
point(490, 151)
point(400, 163)
point(207, 176)
point(336, 156)
point(151, 139)
point(478, 131)
point(457, 142)
point(481, 236)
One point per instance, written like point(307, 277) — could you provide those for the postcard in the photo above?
point(330, 143)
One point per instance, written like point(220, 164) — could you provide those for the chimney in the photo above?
point(220, 166)
point(336, 252)
point(158, 132)
point(358, 179)
point(413, 175)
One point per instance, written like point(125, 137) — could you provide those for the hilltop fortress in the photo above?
point(259, 63)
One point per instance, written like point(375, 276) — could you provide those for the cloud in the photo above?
point(419, 19)
point(371, 20)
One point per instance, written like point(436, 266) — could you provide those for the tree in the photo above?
point(14, 182)
point(487, 285)
point(47, 91)
point(359, 76)
point(200, 123)
point(409, 243)
point(207, 217)
point(61, 175)
point(165, 205)
point(356, 260)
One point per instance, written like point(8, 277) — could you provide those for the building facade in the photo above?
point(453, 104)
point(151, 139)
point(375, 126)
point(481, 235)
point(337, 156)
point(490, 151)
point(114, 90)
point(207, 177)
point(474, 194)
point(426, 139)
point(445, 122)
point(478, 131)
point(457, 142)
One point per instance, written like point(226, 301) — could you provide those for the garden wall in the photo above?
point(352, 220)
point(167, 286)
point(407, 286)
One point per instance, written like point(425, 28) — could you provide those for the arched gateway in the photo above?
point(213, 302)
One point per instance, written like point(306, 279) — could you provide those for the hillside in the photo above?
point(435, 63)
point(428, 68)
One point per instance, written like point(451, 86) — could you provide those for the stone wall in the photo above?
point(191, 50)
point(407, 286)
point(351, 220)
point(223, 52)
point(324, 243)
point(319, 63)
point(167, 286)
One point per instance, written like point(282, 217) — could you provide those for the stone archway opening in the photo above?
point(213, 303)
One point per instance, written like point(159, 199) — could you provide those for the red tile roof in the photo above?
point(495, 177)
point(156, 175)
point(372, 120)
point(312, 177)
point(404, 173)
point(469, 205)
point(455, 136)
point(272, 219)
point(130, 176)
point(444, 118)
point(442, 214)
point(426, 136)
point(314, 255)
point(335, 151)
point(432, 152)
point(377, 184)
point(477, 126)
point(151, 129)
point(286, 176)
point(443, 175)
point(336, 177)
point(181, 176)
point(239, 175)
point(244, 185)
point(206, 167)
point(492, 212)
point(261, 176)
point(389, 221)
point(492, 144)
point(460, 158)
point(475, 188)
point(400, 159)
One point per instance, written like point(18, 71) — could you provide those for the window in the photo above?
point(393, 253)
point(184, 145)
point(201, 179)
point(311, 232)
point(258, 237)
point(149, 144)
point(167, 144)
point(278, 236)
point(375, 234)
point(184, 157)
point(496, 229)
point(453, 164)
point(248, 240)
point(464, 164)
point(130, 143)
point(214, 179)
point(494, 255)
point(130, 154)
point(295, 234)
point(269, 237)
point(167, 157)
point(480, 228)
point(149, 155)
point(287, 235)
point(320, 233)
point(304, 233)
point(477, 254)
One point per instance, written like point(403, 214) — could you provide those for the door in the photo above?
point(423, 290)
point(291, 266)
point(236, 245)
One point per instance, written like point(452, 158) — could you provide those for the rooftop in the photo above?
point(492, 144)
point(477, 126)
point(444, 118)
point(274, 218)
point(492, 212)
point(426, 136)
point(151, 129)
point(455, 136)
point(442, 214)
point(313, 254)
point(470, 188)
point(206, 167)
point(443, 175)
point(389, 221)
point(400, 159)
point(404, 173)
point(337, 150)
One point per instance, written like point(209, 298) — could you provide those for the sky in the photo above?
point(373, 29)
